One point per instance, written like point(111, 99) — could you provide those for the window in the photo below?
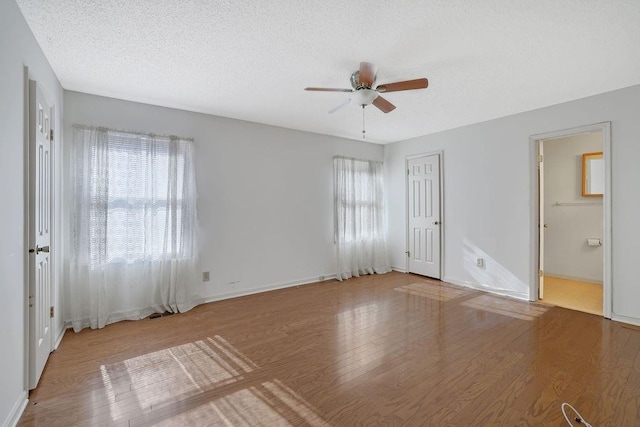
point(132, 192)
point(133, 236)
point(359, 217)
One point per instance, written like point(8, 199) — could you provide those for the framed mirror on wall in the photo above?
point(592, 174)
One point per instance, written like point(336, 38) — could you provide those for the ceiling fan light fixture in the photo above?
point(364, 96)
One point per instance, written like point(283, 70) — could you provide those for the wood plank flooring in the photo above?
point(573, 294)
point(393, 349)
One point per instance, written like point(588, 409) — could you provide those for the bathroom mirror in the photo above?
point(592, 174)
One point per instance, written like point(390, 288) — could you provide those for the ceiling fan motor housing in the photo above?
point(355, 81)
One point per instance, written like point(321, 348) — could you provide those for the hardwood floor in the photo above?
point(573, 294)
point(395, 349)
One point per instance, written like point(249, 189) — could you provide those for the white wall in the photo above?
point(18, 48)
point(265, 193)
point(566, 253)
point(488, 204)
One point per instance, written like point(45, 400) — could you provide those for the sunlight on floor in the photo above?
point(356, 332)
point(505, 306)
point(436, 291)
point(270, 404)
point(490, 303)
point(183, 374)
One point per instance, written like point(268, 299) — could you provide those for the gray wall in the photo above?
point(489, 202)
point(18, 48)
point(265, 194)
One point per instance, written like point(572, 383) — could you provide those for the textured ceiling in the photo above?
point(250, 60)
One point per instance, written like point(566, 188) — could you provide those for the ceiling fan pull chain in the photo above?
point(364, 132)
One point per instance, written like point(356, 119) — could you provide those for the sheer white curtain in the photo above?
point(133, 232)
point(359, 218)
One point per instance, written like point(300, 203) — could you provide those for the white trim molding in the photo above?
point(272, 287)
point(487, 288)
point(16, 410)
point(59, 338)
point(626, 319)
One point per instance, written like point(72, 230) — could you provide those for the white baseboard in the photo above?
point(60, 336)
point(480, 287)
point(625, 319)
point(16, 411)
point(577, 279)
point(228, 295)
point(273, 287)
point(399, 269)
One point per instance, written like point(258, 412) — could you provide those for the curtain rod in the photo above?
point(355, 158)
point(150, 134)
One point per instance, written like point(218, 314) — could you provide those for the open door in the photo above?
point(40, 203)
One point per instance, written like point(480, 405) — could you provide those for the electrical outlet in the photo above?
point(480, 262)
point(205, 276)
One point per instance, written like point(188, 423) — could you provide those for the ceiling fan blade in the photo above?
point(339, 106)
point(405, 85)
point(327, 89)
point(383, 105)
point(367, 74)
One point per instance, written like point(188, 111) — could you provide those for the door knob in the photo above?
point(436, 222)
point(39, 249)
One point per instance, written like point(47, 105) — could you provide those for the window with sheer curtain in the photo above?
point(359, 218)
point(133, 248)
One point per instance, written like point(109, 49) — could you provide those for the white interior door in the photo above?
point(39, 232)
point(424, 215)
point(541, 225)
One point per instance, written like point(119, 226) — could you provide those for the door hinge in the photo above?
point(540, 273)
point(408, 254)
point(51, 311)
point(540, 158)
point(407, 171)
point(51, 135)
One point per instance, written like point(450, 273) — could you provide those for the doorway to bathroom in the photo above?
point(572, 187)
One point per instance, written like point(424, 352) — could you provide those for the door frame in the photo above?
point(440, 154)
point(534, 143)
